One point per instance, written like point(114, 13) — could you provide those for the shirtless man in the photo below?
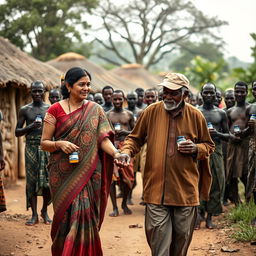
point(54, 96)
point(218, 128)
point(140, 103)
point(123, 123)
point(218, 98)
point(251, 179)
point(237, 153)
point(107, 93)
point(98, 98)
point(132, 99)
point(229, 98)
point(36, 160)
point(150, 96)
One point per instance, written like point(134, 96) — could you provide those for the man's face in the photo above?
point(254, 90)
point(150, 97)
point(132, 99)
point(218, 98)
point(240, 93)
point(37, 92)
point(117, 100)
point(172, 98)
point(98, 99)
point(208, 94)
point(107, 95)
point(229, 99)
point(54, 97)
point(140, 97)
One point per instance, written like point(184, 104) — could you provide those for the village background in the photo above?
point(126, 44)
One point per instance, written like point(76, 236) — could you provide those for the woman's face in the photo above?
point(81, 88)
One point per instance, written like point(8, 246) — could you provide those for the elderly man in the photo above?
point(172, 181)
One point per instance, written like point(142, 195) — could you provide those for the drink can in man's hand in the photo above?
point(253, 117)
point(39, 119)
point(209, 125)
point(236, 128)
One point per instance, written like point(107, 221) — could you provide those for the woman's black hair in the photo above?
point(72, 76)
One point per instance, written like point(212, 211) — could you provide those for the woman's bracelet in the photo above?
point(55, 145)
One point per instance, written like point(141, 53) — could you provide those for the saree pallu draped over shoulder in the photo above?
point(79, 191)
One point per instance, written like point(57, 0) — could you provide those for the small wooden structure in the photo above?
point(17, 71)
point(100, 76)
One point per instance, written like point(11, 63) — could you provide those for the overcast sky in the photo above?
point(242, 21)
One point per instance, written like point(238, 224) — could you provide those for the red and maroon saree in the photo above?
point(79, 191)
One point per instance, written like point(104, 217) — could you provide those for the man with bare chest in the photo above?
point(123, 122)
point(251, 179)
point(36, 160)
point(229, 99)
point(237, 153)
point(218, 128)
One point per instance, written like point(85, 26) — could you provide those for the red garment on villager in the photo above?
point(79, 191)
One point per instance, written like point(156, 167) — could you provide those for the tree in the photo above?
point(202, 71)
point(152, 28)
point(205, 49)
point(46, 27)
point(249, 74)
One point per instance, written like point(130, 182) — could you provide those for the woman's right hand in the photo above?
point(66, 146)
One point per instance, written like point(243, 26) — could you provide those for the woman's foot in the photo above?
point(46, 218)
point(115, 213)
point(32, 221)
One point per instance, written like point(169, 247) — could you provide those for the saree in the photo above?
point(79, 191)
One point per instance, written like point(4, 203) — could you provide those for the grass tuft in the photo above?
point(240, 218)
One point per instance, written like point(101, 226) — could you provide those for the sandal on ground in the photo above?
point(46, 218)
point(32, 221)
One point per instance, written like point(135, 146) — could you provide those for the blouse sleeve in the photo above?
point(51, 114)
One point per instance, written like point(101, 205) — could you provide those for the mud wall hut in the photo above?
point(17, 71)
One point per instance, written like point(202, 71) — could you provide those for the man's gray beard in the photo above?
point(170, 107)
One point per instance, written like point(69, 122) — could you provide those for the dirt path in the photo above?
point(116, 235)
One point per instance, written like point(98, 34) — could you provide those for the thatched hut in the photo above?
point(137, 74)
point(17, 71)
point(100, 76)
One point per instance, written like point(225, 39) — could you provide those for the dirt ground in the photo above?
point(122, 236)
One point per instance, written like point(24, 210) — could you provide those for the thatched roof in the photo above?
point(100, 76)
point(18, 69)
point(138, 75)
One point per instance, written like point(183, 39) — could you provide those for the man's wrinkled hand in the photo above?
point(122, 160)
point(187, 147)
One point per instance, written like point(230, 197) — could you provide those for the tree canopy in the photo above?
point(46, 27)
point(152, 28)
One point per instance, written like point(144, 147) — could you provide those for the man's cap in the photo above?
point(175, 81)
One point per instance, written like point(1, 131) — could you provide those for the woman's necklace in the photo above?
point(69, 107)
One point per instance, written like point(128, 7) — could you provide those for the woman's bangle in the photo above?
point(55, 145)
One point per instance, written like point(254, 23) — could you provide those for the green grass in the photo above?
point(240, 218)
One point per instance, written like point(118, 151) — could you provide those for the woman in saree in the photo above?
point(79, 190)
